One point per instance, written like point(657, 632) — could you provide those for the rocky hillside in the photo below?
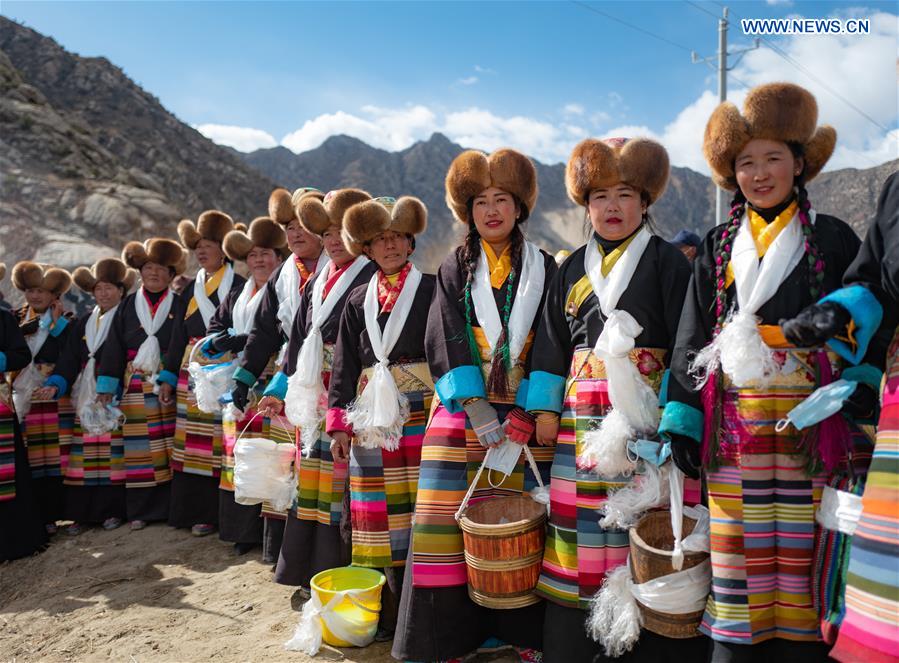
point(89, 160)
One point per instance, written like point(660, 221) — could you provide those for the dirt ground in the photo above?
point(155, 595)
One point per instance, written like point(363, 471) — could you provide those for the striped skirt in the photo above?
point(383, 483)
point(870, 628)
point(7, 444)
point(762, 504)
point(197, 443)
point(46, 456)
point(579, 552)
point(450, 457)
point(95, 460)
point(147, 432)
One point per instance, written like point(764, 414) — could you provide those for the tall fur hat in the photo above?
point(212, 225)
point(28, 274)
point(318, 214)
point(282, 204)
point(595, 164)
point(2, 270)
point(263, 232)
point(775, 111)
point(107, 270)
point(472, 171)
point(364, 221)
point(165, 252)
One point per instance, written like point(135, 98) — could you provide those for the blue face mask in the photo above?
point(820, 404)
point(654, 452)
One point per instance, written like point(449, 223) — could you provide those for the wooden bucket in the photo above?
point(504, 539)
point(651, 546)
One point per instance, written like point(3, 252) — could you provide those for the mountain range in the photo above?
point(90, 160)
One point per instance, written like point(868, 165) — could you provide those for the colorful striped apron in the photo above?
point(7, 443)
point(147, 432)
point(870, 629)
point(47, 453)
point(197, 443)
point(383, 483)
point(762, 504)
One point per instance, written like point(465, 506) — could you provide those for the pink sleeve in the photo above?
point(335, 421)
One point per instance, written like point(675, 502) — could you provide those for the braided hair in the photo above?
point(470, 255)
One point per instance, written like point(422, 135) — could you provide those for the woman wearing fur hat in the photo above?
point(127, 370)
point(271, 328)
point(21, 522)
point(312, 540)
point(95, 476)
point(197, 446)
point(46, 330)
point(866, 608)
point(601, 351)
point(385, 366)
point(487, 303)
point(262, 247)
point(734, 375)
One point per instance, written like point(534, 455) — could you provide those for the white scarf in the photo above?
point(287, 287)
point(244, 311)
point(635, 406)
point(380, 411)
point(30, 377)
point(739, 349)
point(148, 355)
point(305, 390)
point(204, 304)
point(524, 308)
point(95, 332)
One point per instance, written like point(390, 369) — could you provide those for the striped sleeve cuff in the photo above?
point(458, 385)
point(682, 419)
point(545, 392)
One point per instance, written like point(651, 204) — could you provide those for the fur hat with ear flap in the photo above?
point(158, 250)
point(317, 215)
point(595, 164)
point(107, 270)
point(211, 225)
point(776, 111)
point(364, 221)
point(263, 232)
point(28, 274)
point(471, 172)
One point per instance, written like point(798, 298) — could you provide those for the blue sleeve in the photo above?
point(866, 313)
point(459, 384)
point(59, 326)
point(277, 386)
point(167, 377)
point(546, 392)
point(682, 419)
point(107, 385)
point(59, 382)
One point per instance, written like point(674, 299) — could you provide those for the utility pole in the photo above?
point(722, 69)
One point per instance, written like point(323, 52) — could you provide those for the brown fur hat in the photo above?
point(472, 171)
point(2, 270)
point(263, 232)
point(107, 270)
point(28, 274)
point(318, 214)
point(594, 164)
point(212, 225)
point(775, 111)
point(364, 221)
point(165, 252)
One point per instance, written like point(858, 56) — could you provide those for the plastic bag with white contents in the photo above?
point(263, 470)
point(211, 381)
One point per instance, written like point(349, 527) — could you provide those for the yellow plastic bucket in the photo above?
point(358, 613)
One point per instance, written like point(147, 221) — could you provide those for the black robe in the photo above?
point(838, 245)
point(49, 352)
point(353, 352)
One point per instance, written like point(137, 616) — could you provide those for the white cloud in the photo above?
point(779, 2)
point(245, 139)
point(484, 70)
point(573, 109)
point(468, 80)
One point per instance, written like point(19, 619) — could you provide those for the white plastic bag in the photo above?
point(839, 510)
point(211, 381)
point(263, 470)
point(308, 634)
point(677, 593)
point(97, 419)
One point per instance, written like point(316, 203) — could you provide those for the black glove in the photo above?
point(685, 455)
point(240, 395)
point(862, 404)
point(224, 342)
point(816, 324)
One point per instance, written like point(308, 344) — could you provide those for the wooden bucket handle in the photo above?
point(477, 477)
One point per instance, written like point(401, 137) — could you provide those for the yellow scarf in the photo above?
point(499, 268)
point(212, 284)
point(764, 233)
point(608, 261)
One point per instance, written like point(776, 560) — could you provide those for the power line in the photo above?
point(780, 52)
point(630, 25)
point(702, 9)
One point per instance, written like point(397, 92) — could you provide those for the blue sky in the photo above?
point(534, 75)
